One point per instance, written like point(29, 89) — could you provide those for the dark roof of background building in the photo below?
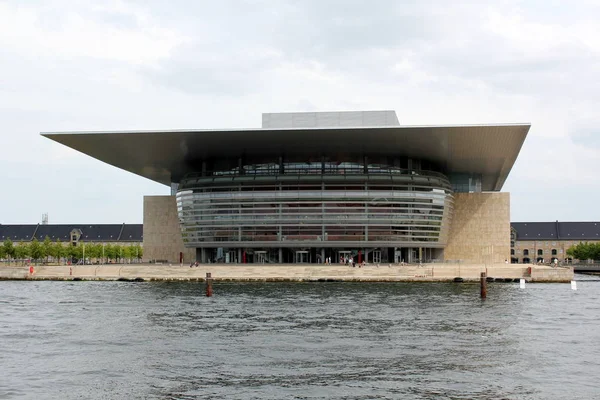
point(579, 230)
point(17, 232)
point(557, 230)
point(62, 232)
point(132, 232)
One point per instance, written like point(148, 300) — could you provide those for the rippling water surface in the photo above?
point(105, 340)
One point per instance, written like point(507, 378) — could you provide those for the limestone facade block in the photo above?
point(162, 234)
point(480, 228)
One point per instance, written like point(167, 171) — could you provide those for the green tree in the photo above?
point(9, 249)
point(35, 250)
point(584, 251)
point(119, 252)
point(85, 250)
point(47, 248)
point(596, 251)
point(139, 251)
point(103, 253)
point(116, 251)
point(93, 251)
point(21, 251)
point(571, 252)
point(127, 254)
point(2, 253)
point(109, 252)
point(106, 252)
point(75, 252)
point(57, 251)
point(574, 252)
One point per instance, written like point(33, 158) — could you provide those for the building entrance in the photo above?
point(343, 255)
point(302, 257)
point(260, 257)
point(231, 256)
point(376, 256)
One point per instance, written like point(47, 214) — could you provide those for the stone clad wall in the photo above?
point(162, 235)
point(552, 274)
point(480, 228)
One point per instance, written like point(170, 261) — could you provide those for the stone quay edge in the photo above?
point(291, 272)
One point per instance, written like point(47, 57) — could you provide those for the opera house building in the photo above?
point(319, 186)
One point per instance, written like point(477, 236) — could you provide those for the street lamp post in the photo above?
point(102, 253)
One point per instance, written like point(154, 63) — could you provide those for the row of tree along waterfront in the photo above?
point(585, 251)
point(99, 252)
point(49, 251)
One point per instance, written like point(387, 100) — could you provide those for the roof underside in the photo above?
point(166, 156)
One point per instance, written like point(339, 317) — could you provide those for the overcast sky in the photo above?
point(148, 64)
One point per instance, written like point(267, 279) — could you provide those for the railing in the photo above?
point(317, 171)
point(420, 211)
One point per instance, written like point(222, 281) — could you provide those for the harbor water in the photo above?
point(167, 340)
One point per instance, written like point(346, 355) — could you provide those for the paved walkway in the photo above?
point(291, 272)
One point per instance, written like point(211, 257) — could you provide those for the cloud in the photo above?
point(118, 33)
point(197, 70)
point(150, 64)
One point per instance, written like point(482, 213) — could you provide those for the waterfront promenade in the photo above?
point(292, 272)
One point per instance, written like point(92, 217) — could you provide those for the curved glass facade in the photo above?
point(315, 204)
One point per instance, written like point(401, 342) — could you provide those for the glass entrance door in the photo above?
point(231, 257)
point(302, 257)
point(376, 256)
point(343, 256)
point(261, 257)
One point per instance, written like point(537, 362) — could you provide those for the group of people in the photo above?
point(351, 261)
point(348, 260)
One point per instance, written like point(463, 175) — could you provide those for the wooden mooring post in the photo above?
point(483, 282)
point(209, 282)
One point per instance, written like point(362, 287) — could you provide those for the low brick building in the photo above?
point(545, 242)
point(75, 234)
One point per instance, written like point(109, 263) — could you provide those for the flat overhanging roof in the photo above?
point(166, 156)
